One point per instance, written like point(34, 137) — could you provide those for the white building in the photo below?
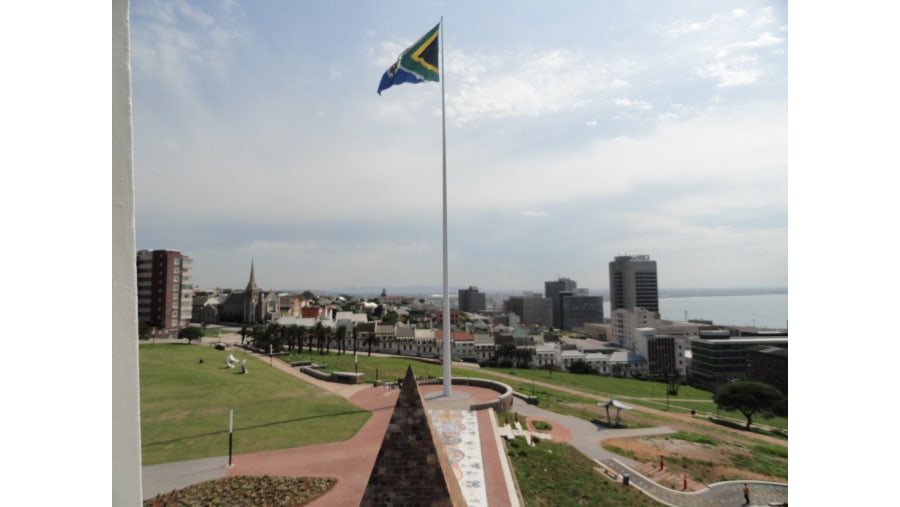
point(624, 323)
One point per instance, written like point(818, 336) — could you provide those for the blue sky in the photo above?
point(575, 133)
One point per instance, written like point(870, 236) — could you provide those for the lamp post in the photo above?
point(230, 433)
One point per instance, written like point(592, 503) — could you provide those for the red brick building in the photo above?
point(165, 290)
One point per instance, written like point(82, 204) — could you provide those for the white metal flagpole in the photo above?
point(446, 333)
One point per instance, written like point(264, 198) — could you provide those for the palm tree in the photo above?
point(256, 335)
point(319, 330)
point(371, 339)
point(301, 335)
point(329, 337)
point(523, 356)
point(340, 336)
point(276, 336)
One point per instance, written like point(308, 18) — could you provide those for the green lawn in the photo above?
point(185, 406)
point(389, 369)
point(556, 474)
point(639, 392)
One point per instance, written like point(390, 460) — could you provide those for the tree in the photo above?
point(340, 336)
point(190, 333)
point(505, 356)
point(143, 330)
point(370, 340)
point(245, 330)
point(390, 317)
point(583, 367)
point(523, 357)
point(321, 333)
point(749, 398)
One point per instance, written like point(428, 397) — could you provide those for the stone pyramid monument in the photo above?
point(411, 467)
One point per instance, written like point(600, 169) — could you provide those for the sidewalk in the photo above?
point(586, 437)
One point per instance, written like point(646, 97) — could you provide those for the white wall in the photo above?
point(126, 428)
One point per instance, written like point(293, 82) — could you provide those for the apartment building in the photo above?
point(165, 290)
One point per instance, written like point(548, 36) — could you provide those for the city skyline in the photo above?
point(628, 129)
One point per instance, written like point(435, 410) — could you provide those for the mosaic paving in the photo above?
point(458, 431)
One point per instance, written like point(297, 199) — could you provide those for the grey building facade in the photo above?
point(537, 309)
point(553, 291)
point(580, 309)
point(633, 283)
point(471, 300)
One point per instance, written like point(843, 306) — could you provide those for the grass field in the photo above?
point(645, 393)
point(555, 474)
point(185, 406)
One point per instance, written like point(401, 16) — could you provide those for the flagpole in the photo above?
point(447, 335)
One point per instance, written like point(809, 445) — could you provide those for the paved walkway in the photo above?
point(586, 437)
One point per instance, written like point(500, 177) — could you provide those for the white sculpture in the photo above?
point(244, 366)
point(231, 361)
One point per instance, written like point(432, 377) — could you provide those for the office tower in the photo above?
point(579, 308)
point(513, 304)
point(470, 300)
point(165, 290)
point(537, 309)
point(632, 283)
point(552, 291)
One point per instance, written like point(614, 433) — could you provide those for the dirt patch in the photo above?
point(703, 463)
point(733, 457)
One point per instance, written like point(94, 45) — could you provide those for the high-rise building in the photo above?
point(470, 300)
point(632, 283)
point(552, 291)
point(537, 309)
point(165, 290)
point(580, 308)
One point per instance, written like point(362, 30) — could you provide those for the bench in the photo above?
point(346, 377)
point(605, 470)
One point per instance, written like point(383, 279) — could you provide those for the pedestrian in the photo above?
point(746, 494)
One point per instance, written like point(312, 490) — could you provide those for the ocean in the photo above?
point(764, 311)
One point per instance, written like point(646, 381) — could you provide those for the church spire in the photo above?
point(251, 285)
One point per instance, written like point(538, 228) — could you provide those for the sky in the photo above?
point(575, 132)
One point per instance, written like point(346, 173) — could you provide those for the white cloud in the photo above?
point(734, 72)
point(746, 147)
point(766, 17)
point(730, 46)
point(636, 104)
point(520, 85)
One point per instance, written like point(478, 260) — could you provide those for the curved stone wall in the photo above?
point(503, 402)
